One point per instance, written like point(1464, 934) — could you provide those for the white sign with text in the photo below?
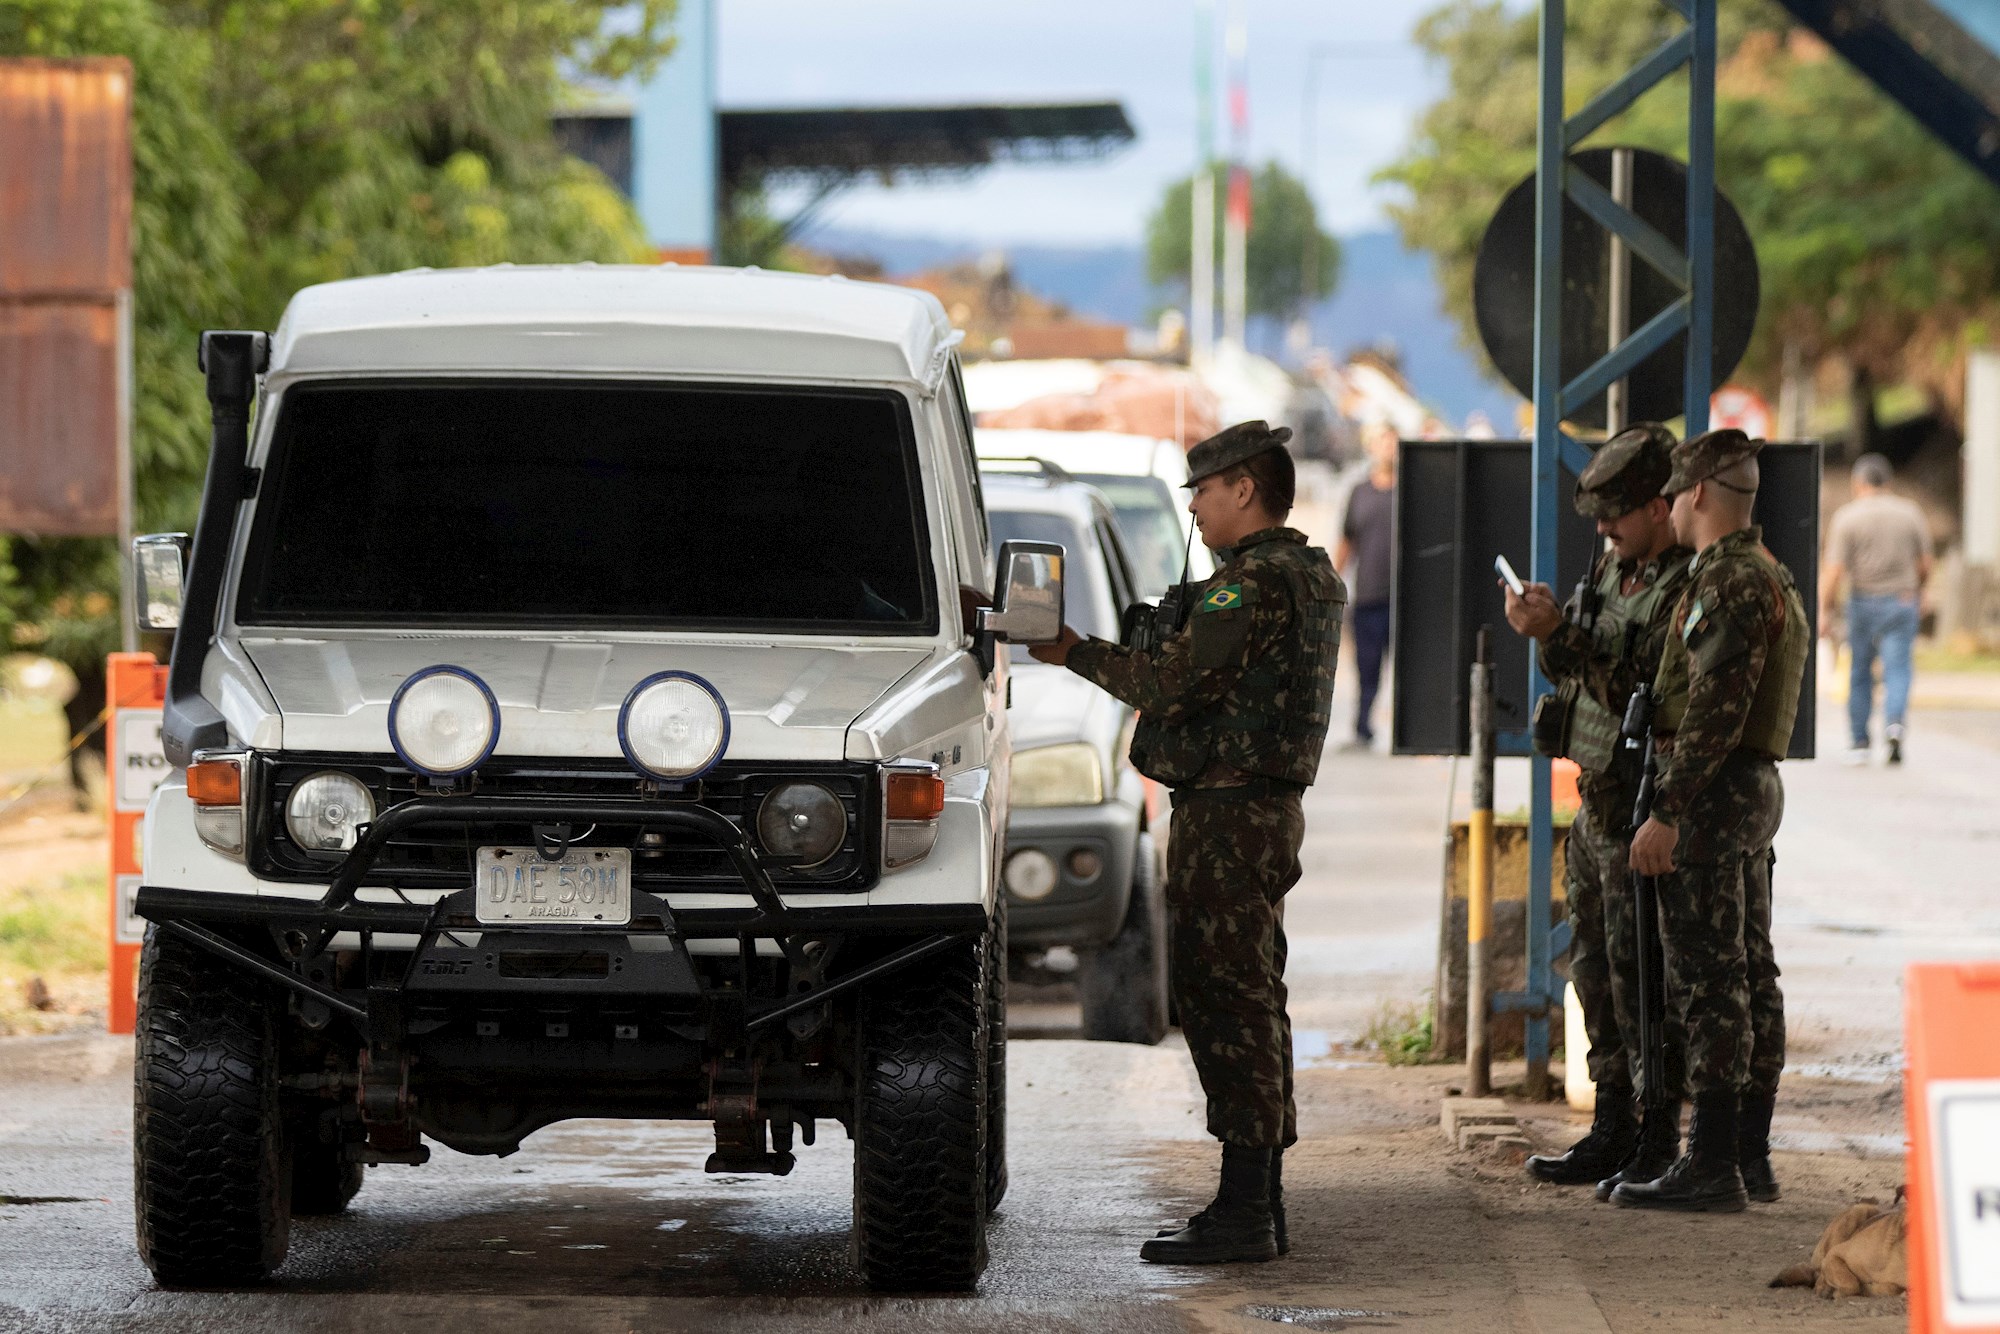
point(138, 758)
point(1965, 1181)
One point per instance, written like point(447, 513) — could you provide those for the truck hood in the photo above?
point(558, 698)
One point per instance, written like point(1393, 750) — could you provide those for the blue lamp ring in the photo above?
point(625, 717)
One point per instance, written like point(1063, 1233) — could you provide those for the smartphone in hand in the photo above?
point(1507, 576)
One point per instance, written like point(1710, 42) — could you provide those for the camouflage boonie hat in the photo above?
point(1701, 458)
point(1227, 448)
point(1626, 472)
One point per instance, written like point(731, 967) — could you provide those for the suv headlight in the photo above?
point(444, 721)
point(326, 811)
point(1066, 775)
point(673, 726)
point(801, 822)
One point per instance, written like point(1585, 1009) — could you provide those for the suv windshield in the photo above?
point(647, 506)
point(1154, 538)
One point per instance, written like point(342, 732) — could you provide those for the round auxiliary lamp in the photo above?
point(444, 722)
point(673, 726)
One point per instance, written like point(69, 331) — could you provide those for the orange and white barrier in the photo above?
point(1952, 1100)
point(135, 688)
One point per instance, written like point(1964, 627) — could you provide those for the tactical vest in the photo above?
point(1292, 685)
point(1621, 623)
point(1768, 729)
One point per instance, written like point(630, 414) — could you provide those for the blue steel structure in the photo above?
point(1692, 267)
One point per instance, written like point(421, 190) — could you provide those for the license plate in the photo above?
point(584, 885)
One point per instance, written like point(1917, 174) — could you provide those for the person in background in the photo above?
point(1366, 535)
point(1880, 547)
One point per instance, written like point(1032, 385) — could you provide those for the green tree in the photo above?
point(279, 143)
point(1283, 223)
point(1875, 243)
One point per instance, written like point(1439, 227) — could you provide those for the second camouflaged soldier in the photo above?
point(1596, 652)
point(1729, 692)
point(1233, 716)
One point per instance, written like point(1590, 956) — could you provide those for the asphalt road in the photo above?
point(612, 1225)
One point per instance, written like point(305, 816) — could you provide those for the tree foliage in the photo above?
point(1875, 243)
point(1282, 218)
point(279, 143)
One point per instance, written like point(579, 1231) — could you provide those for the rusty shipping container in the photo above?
point(65, 280)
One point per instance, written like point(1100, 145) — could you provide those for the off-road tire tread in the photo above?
point(920, 1126)
point(323, 1181)
point(996, 1056)
point(210, 1181)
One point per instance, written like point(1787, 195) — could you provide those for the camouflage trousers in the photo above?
point(1715, 927)
point(1230, 861)
point(1604, 942)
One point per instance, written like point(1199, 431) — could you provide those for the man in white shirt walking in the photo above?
point(1879, 546)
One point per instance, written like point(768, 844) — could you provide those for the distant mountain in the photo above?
point(1386, 295)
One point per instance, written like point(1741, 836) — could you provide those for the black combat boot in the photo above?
point(1236, 1227)
point(1705, 1179)
point(1277, 1207)
point(1614, 1133)
point(1659, 1144)
point(1753, 1149)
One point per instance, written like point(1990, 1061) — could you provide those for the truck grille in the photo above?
point(439, 857)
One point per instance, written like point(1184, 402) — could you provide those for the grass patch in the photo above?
point(53, 928)
point(1939, 658)
point(1405, 1032)
point(52, 931)
point(33, 732)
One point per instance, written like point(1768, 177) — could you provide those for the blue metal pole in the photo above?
point(1549, 146)
point(1701, 215)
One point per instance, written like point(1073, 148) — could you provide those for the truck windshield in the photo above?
point(646, 506)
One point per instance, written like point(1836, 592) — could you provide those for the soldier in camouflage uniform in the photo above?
point(1234, 709)
point(1729, 692)
point(1597, 651)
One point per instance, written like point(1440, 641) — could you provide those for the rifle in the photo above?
point(1635, 732)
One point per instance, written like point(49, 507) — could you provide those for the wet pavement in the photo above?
point(613, 1225)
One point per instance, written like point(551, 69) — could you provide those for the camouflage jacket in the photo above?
point(1245, 688)
point(1739, 618)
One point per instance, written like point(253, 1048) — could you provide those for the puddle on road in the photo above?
point(1315, 1047)
point(1323, 1317)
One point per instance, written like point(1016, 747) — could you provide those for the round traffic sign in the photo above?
point(1503, 287)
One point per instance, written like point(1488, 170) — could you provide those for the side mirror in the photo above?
point(1029, 584)
point(159, 567)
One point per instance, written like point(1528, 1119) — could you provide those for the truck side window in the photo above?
point(964, 418)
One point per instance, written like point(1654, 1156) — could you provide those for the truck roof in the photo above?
point(610, 319)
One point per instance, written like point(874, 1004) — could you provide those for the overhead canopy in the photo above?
point(1935, 57)
point(836, 145)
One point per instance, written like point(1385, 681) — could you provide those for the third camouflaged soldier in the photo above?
point(1596, 651)
point(1729, 692)
point(1233, 716)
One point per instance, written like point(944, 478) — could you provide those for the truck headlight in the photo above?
point(1030, 874)
point(673, 726)
point(326, 811)
point(444, 721)
point(801, 822)
point(1066, 775)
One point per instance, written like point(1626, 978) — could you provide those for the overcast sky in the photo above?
point(1370, 84)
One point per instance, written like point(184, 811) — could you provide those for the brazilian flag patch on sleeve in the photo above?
point(1226, 598)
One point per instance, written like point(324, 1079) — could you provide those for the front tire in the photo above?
point(211, 1185)
point(1123, 985)
point(920, 1154)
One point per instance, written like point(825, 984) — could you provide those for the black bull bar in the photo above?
point(304, 928)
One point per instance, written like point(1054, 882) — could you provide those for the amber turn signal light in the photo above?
point(915, 796)
point(215, 783)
